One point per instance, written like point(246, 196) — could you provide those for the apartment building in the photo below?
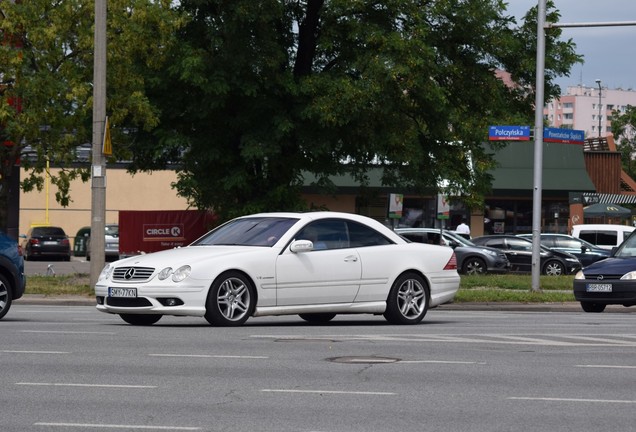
point(588, 108)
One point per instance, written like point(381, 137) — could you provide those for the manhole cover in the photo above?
point(363, 359)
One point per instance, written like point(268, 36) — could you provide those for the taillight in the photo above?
point(65, 242)
point(452, 263)
point(34, 241)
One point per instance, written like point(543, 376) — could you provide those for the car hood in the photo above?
point(611, 266)
point(191, 255)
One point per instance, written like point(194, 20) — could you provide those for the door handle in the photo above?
point(351, 258)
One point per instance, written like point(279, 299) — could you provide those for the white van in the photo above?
point(605, 236)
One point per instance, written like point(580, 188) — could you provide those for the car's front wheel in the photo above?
point(473, 266)
point(5, 296)
point(231, 300)
point(592, 307)
point(407, 302)
point(140, 320)
point(554, 268)
point(317, 318)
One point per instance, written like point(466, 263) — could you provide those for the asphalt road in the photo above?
point(76, 369)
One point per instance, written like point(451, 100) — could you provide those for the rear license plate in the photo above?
point(122, 292)
point(595, 287)
point(49, 242)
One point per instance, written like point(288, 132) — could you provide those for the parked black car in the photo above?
point(586, 252)
point(519, 253)
point(12, 280)
point(46, 242)
point(471, 258)
point(609, 281)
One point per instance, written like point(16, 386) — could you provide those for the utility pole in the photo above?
point(98, 166)
point(598, 82)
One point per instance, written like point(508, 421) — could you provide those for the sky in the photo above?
point(609, 52)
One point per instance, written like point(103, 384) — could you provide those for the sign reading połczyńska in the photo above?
point(509, 133)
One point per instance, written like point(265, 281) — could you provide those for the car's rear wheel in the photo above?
point(474, 265)
point(592, 307)
point(5, 296)
point(554, 268)
point(231, 300)
point(140, 319)
point(407, 302)
point(317, 318)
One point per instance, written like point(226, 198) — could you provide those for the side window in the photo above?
point(362, 236)
point(325, 234)
point(606, 238)
point(519, 245)
point(416, 237)
point(496, 243)
point(549, 241)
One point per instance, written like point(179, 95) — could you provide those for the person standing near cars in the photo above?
point(463, 228)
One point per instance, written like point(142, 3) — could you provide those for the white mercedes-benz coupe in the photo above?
point(316, 265)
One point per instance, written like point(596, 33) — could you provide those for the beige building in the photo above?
point(125, 191)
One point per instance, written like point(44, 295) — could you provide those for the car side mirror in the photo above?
point(583, 248)
point(301, 246)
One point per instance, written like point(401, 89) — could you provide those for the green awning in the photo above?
point(563, 168)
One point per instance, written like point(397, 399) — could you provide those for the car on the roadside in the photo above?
point(46, 242)
point(471, 258)
point(12, 279)
point(611, 281)
point(519, 253)
point(111, 243)
point(315, 265)
point(586, 252)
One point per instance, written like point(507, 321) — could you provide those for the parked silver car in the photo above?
point(111, 245)
point(471, 258)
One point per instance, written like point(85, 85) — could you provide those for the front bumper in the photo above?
point(622, 292)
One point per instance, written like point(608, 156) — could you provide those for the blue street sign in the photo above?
point(509, 133)
point(564, 136)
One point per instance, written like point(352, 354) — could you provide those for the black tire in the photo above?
point(407, 302)
point(592, 307)
point(474, 266)
point(231, 300)
point(140, 320)
point(6, 296)
point(317, 318)
point(554, 268)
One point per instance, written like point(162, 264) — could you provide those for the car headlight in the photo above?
point(181, 273)
point(579, 275)
point(106, 272)
point(574, 260)
point(165, 273)
point(630, 275)
point(489, 252)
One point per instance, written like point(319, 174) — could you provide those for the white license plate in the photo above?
point(122, 292)
point(49, 242)
point(595, 287)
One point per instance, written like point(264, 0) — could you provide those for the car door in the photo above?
point(328, 274)
point(519, 253)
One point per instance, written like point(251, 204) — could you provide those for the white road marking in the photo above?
point(209, 356)
point(67, 332)
point(115, 426)
point(574, 400)
point(85, 385)
point(442, 362)
point(328, 392)
point(606, 366)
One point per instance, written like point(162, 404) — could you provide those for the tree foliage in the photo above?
point(258, 93)
point(46, 75)
point(624, 129)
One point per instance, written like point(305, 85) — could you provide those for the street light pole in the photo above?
point(598, 82)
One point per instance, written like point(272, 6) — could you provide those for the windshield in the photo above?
point(459, 239)
point(628, 248)
point(112, 230)
point(254, 231)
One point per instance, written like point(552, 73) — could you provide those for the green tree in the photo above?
point(260, 92)
point(46, 74)
point(624, 129)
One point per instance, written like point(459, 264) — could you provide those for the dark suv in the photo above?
point(12, 280)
